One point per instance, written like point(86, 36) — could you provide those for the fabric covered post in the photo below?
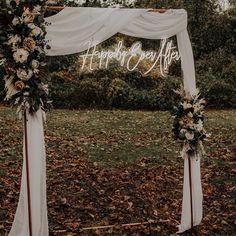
point(37, 177)
point(192, 198)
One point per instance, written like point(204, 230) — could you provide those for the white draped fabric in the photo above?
point(69, 32)
point(196, 194)
point(72, 29)
point(37, 176)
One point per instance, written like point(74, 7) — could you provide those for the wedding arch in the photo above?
point(68, 32)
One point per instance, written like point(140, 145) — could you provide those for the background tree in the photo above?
point(213, 36)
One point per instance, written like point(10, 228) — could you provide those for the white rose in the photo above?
point(183, 131)
point(23, 74)
point(21, 55)
point(35, 64)
point(189, 135)
point(35, 30)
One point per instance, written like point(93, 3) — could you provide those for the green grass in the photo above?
point(118, 137)
point(115, 137)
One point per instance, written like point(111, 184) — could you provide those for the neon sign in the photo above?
point(133, 57)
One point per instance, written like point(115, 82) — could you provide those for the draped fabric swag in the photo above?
point(69, 32)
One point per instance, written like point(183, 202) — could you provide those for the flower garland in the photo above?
point(188, 122)
point(22, 55)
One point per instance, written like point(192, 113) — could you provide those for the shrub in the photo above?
point(89, 93)
point(221, 95)
point(118, 93)
point(60, 91)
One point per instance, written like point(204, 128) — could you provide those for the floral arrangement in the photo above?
point(22, 55)
point(188, 122)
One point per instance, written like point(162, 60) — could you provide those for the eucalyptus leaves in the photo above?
point(22, 56)
point(188, 122)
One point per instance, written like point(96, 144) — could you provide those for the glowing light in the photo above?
point(133, 57)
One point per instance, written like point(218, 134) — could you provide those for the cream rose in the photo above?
point(21, 55)
point(35, 64)
point(23, 74)
point(183, 131)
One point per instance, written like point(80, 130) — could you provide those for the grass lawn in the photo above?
point(117, 166)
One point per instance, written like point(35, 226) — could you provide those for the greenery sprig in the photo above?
point(22, 55)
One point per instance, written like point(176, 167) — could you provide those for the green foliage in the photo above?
point(217, 79)
point(125, 90)
point(61, 90)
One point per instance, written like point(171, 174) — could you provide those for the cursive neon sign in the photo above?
point(133, 57)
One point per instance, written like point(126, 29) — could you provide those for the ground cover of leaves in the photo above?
point(118, 167)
